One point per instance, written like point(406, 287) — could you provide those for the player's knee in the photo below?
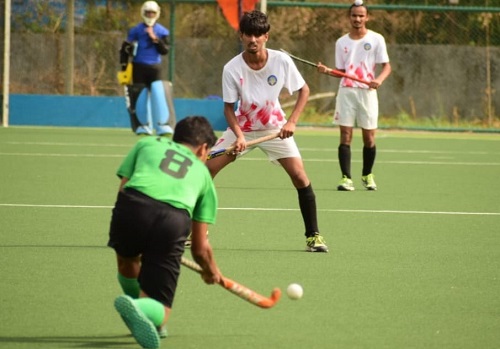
point(368, 141)
point(369, 144)
point(129, 267)
point(212, 168)
point(217, 164)
point(300, 180)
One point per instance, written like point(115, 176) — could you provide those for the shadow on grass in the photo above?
point(52, 246)
point(260, 250)
point(187, 249)
point(73, 342)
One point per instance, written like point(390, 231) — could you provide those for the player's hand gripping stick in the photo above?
point(228, 150)
point(240, 290)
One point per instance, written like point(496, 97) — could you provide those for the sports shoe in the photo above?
point(143, 330)
point(369, 182)
point(162, 331)
point(316, 243)
point(345, 184)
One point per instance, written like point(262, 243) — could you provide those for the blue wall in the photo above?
point(84, 111)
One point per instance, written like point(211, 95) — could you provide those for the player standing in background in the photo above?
point(254, 79)
point(358, 53)
point(165, 191)
point(146, 43)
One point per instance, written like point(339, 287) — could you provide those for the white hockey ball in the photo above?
point(294, 291)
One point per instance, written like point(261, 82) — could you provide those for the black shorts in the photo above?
point(157, 232)
point(146, 73)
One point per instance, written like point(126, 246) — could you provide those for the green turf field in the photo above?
point(414, 265)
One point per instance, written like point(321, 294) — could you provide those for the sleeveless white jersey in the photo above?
point(257, 91)
point(359, 57)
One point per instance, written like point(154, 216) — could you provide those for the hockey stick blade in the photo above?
point(228, 150)
point(239, 290)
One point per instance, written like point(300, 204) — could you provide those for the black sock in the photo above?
point(368, 159)
point(307, 203)
point(345, 160)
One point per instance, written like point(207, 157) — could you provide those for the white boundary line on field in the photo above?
point(83, 155)
point(368, 211)
point(302, 149)
point(66, 144)
point(461, 163)
point(279, 209)
point(86, 155)
point(402, 151)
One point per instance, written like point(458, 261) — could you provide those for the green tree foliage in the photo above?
point(289, 23)
point(42, 17)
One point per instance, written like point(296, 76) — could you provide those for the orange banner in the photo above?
point(230, 9)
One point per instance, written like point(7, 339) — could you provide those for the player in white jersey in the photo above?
point(254, 80)
point(258, 90)
point(358, 53)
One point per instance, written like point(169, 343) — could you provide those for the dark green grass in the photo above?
point(414, 265)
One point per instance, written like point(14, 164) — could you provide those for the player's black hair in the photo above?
point(194, 130)
point(254, 23)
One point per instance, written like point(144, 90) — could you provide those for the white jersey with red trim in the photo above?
point(360, 57)
point(257, 91)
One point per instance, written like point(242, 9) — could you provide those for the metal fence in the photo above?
point(445, 59)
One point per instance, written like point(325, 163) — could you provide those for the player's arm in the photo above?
point(324, 70)
point(384, 73)
point(126, 51)
point(123, 181)
point(289, 128)
point(232, 122)
point(162, 45)
point(202, 253)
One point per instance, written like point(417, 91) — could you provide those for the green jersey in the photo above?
point(170, 172)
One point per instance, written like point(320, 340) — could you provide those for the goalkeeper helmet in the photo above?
point(150, 6)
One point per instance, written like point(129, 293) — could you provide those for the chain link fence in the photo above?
point(445, 60)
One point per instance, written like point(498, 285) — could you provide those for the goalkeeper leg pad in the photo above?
point(139, 109)
point(162, 107)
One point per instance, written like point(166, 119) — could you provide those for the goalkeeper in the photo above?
point(146, 43)
point(149, 99)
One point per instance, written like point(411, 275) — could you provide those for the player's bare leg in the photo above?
point(216, 164)
point(344, 156)
point(128, 272)
point(369, 153)
point(294, 167)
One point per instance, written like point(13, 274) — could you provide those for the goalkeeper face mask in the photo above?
point(150, 12)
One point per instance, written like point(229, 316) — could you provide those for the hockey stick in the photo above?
point(240, 290)
point(228, 150)
point(329, 71)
